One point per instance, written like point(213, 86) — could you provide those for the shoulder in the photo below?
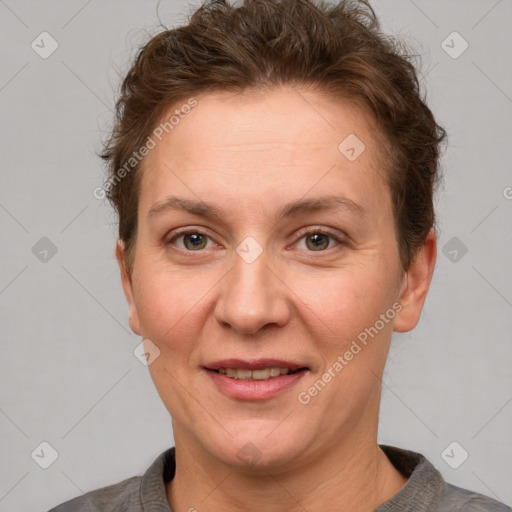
point(135, 494)
point(457, 499)
point(123, 496)
point(427, 491)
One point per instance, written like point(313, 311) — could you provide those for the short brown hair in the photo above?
point(337, 48)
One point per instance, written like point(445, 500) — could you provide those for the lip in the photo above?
point(256, 364)
point(255, 389)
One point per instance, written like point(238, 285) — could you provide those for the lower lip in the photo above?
point(255, 389)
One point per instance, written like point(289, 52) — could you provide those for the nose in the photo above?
point(252, 297)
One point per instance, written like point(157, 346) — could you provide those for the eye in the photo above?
point(192, 241)
point(317, 240)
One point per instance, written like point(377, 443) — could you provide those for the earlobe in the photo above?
point(126, 281)
point(415, 285)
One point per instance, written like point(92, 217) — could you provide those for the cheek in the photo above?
point(348, 378)
point(171, 306)
point(173, 310)
point(344, 302)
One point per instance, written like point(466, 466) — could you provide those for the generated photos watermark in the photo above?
point(355, 348)
point(137, 156)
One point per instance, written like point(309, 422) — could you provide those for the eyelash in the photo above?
point(304, 233)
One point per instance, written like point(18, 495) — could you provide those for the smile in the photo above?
point(244, 374)
point(254, 380)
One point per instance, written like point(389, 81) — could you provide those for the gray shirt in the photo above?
point(425, 491)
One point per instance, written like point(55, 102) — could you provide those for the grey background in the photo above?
point(68, 375)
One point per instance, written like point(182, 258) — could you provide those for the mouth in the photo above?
point(254, 380)
point(263, 374)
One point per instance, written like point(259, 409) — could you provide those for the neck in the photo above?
point(355, 474)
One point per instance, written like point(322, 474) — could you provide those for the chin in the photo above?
point(259, 447)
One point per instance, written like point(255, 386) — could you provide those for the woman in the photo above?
point(273, 168)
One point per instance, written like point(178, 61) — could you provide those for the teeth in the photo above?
point(243, 374)
point(263, 374)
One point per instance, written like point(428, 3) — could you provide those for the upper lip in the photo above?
point(255, 364)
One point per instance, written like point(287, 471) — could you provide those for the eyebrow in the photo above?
point(205, 209)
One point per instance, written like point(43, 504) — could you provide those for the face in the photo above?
point(263, 256)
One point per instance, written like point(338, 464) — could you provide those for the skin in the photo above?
point(250, 154)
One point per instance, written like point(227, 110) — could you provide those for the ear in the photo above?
point(126, 280)
point(415, 285)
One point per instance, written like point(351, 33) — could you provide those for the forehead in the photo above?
point(278, 116)
point(278, 142)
